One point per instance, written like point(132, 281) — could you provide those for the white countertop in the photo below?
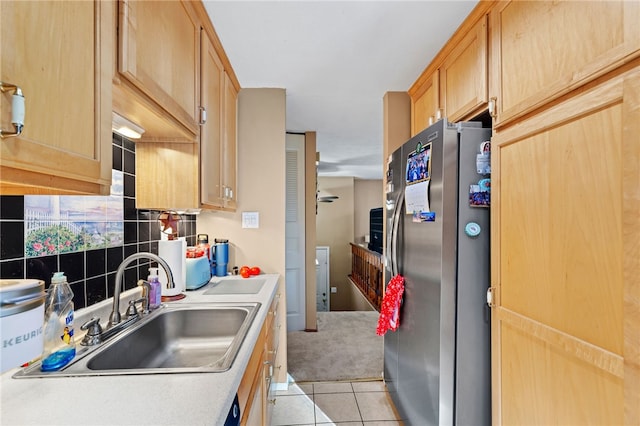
point(154, 399)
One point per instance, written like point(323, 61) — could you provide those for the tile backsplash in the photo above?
point(91, 272)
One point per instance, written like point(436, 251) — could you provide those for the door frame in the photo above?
point(298, 146)
point(327, 285)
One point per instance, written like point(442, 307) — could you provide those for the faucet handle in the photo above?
point(132, 311)
point(94, 332)
point(146, 295)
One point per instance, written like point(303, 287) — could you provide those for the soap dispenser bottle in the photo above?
point(155, 294)
point(59, 346)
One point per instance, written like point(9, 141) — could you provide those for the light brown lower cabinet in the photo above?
point(256, 391)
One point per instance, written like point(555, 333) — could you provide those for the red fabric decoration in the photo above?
point(390, 310)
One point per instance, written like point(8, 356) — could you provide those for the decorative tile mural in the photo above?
point(68, 224)
point(86, 237)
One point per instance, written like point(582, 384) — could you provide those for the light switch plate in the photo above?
point(250, 219)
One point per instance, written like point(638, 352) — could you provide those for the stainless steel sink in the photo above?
point(236, 286)
point(199, 337)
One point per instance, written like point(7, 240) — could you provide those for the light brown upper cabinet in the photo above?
point(157, 79)
point(463, 75)
point(455, 84)
point(200, 175)
point(219, 136)
point(229, 144)
point(425, 101)
point(56, 53)
point(543, 50)
point(212, 97)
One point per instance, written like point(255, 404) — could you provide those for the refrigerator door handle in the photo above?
point(388, 248)
point(397, 214)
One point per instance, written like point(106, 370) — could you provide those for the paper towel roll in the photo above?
point(174, 252)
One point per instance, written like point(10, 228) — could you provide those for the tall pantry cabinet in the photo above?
point(565, 202)
point(59, 54)
point(564, 97)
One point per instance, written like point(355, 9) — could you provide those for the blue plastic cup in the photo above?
point(222, 254)
point(221, 270)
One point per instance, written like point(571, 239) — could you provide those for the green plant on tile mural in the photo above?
point(65, 224)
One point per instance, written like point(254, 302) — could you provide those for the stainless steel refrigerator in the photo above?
point(437, 363)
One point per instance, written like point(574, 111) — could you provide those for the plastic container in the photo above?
point(155, 294)
point(21, 319)
point(203, 242)
point(59, 345)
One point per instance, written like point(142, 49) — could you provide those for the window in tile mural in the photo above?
point(66, 223)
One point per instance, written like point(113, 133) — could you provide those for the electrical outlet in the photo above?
point(334, 289)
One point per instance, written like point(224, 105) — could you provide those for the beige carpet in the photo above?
point(345, 347)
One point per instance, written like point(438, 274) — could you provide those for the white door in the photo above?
point(322, 279)
point(294, 230)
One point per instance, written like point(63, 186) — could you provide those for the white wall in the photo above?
point(367, 195)
point(261, 188)
point(261, 177)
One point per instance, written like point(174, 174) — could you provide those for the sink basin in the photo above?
point(202, 337)
point(236, 286)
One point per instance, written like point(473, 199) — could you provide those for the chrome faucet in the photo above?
point(115, 316)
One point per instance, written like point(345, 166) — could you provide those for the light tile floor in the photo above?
point(334, 403)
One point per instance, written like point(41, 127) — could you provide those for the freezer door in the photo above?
point(394, 188)
point(473, 341)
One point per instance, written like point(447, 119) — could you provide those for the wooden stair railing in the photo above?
point(366, 274)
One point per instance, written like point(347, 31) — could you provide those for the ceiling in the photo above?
point(336, 60)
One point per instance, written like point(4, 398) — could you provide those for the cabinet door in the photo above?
point(543, 49)
point(159, 53)
point(167, 175)
point(425, 103)
point(255, 411)
point(229, 162)
point(463, 75)
point(212, 86)
point(57, 52)
point(565, 261)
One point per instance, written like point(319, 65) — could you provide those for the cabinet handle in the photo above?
point(270, 364)
point(17, 109)
point(203, 115)
point(493, 107)
point(228, 193)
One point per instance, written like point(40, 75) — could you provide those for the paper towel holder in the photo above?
point(169, 221)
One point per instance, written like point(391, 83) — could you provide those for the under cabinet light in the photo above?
point(125, 127)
